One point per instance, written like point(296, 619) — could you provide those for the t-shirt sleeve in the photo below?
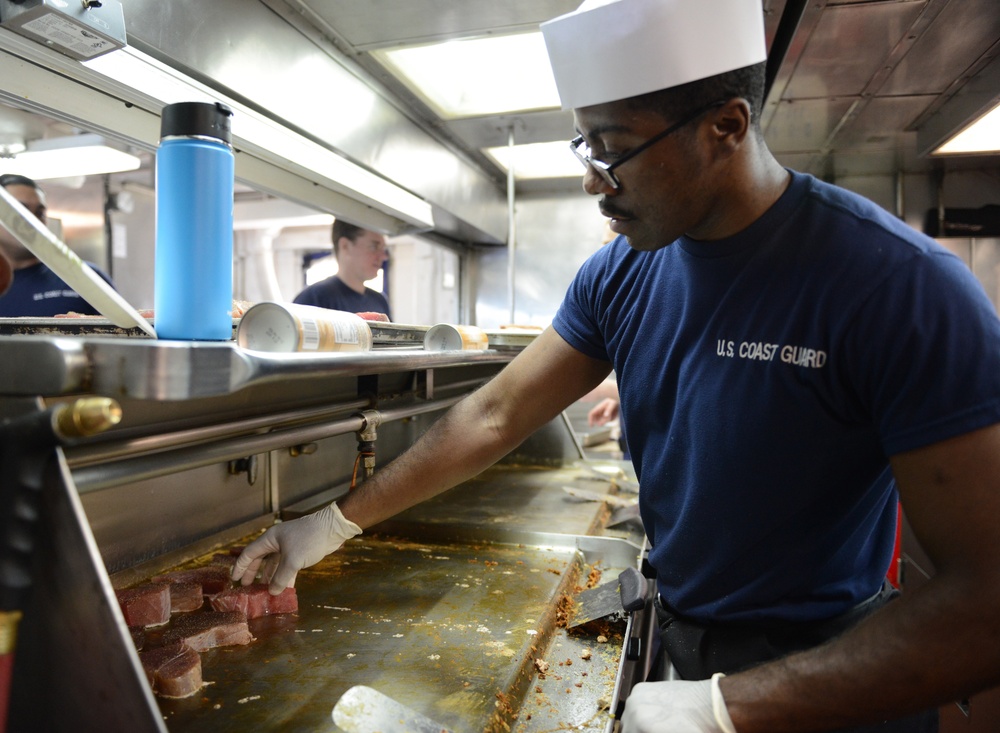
point(934, 373)
point(577, 319)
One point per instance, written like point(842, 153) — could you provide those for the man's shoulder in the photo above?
point(848, 207)
point(317, 290)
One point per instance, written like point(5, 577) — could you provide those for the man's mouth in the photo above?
point(614, 214)
point(617, 220)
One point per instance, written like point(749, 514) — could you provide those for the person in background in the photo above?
point(607, 410)
point(792, 362)
point(360, 255)
point(36, 291)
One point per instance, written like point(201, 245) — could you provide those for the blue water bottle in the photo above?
point(193, 276)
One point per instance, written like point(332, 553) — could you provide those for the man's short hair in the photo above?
point(343, 229)
point(673, 103)
point(13, 179)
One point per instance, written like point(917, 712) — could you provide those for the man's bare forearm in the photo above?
point(937, 643)
point(461, 444)
point(933, 646)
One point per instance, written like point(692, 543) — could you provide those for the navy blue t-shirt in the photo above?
point(766, 378)
point(333, 293)
point(39, 293)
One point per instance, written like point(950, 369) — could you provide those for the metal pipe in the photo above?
point(88, 455)
point(511, 223)
point(108, 475)
point(900, 196)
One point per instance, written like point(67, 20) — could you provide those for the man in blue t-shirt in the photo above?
point(792, 362)
point(360, 254)
point(36, 291)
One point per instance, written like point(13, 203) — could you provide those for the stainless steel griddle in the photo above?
point(454, 609)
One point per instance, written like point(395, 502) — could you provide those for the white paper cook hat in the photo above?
point(607, 50)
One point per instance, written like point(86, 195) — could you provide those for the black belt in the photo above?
point(698, 650)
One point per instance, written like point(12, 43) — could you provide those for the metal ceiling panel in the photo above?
point(848, 47)
point(961, 34)
point(805, 125)
point(385, 23)
point(882, 124)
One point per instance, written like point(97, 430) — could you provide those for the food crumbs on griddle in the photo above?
point(602, 639)
point(503, 702)
point(585, 654)
point(564, 611)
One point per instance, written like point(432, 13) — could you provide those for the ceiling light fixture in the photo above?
point(982, 136)
point(539, 160)
point(481, 76)
point(69, 157)
point(968, 123)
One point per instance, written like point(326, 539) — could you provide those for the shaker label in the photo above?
point(345, 333)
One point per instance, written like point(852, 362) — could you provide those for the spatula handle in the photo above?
point(633, 587)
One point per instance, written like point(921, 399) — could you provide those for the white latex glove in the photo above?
point(677, 707)
point(294, 545)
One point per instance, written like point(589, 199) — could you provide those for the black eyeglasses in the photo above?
point(605, 170)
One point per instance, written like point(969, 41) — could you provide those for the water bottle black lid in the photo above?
point(197, 118)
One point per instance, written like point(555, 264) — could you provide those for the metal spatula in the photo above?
point(626, 593)
point(66, 264)
point(366, 710)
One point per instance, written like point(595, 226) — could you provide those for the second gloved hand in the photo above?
point(677, 707)
point(295, 545)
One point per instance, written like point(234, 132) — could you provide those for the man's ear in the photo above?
point(731, 123)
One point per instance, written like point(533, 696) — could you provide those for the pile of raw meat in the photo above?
point(199, 609)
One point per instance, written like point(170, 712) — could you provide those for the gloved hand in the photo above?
point(677, 707)
point(295, 545)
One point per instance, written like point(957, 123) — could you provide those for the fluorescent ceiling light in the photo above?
point(268, 139)
point(982, 136)
point(69, 157)
point(482, 76)
point(539, 160)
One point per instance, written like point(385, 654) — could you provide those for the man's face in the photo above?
point(662, 191)
point(34, 201)
point(363, 256)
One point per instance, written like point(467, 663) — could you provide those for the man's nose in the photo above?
point(595, 185)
